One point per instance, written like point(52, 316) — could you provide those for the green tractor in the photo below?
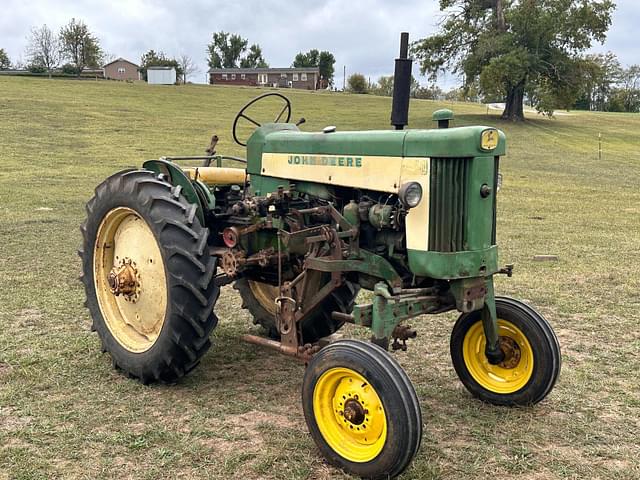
point(314, 217)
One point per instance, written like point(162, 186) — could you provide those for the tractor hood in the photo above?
point(442, 143)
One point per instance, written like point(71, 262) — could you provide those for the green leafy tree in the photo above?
point(80, 46)
point(601, 72)
point(357, 83)
point(629, 89)
point(5, 63)
point(254, 58)
point(43, 49)
point(159, 59)
point(306, 60)
point(517, 47)
point(226, 51)
point(384, 86)
point(324, 60)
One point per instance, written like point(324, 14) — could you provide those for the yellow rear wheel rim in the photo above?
point(349, 415)
point(510, 375)
point(265, 294)
point(134, 322)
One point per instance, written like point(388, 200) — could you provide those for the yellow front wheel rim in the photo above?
point(350, 415)
point(510, 375)
point(135, 320)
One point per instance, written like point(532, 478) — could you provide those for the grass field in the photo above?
point(65, 413)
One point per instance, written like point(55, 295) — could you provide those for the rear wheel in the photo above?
point(148, 276)
point(259, 298)
point(532, 355)
point(361, 409)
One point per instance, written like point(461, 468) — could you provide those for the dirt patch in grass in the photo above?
point(29, 317)
point(11, 420)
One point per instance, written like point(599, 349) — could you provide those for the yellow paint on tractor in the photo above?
point(218, 175)
point(350, 415)
point(135, 321)
point(508, 376)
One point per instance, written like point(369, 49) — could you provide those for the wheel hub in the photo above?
point(511, 351)
point(354, 412)
point(124, 280)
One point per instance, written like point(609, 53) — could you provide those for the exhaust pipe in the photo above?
point(401, 85)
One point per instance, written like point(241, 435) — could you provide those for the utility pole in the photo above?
point(344, 78)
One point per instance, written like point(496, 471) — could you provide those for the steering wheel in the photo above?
point(286, 108)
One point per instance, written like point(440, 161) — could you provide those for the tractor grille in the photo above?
point(448, 204)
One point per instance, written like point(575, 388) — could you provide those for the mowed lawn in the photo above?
point(65, 413)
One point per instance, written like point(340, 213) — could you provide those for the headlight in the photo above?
point(410, 194)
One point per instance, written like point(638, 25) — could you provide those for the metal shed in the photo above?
point(161, 75)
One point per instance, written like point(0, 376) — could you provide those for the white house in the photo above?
point(161, 75)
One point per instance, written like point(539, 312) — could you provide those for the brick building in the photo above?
point(304, 78)
point(121, 69)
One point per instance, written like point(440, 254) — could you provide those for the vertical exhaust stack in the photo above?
point(401, 85)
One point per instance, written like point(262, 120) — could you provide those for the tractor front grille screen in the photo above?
point(448, 204)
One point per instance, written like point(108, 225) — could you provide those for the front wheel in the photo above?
point(361, 409)
point(532, 355)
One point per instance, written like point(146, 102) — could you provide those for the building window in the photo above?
point(303, 77)
point(224, 76)
point(295, 77)
point(262, 78)
point(121, 70)
point(283, 75)
point(233, 76)
point(243, 76)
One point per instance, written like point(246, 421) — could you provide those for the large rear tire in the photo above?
point(361, 409)
point(259, 299)
point(156, 325)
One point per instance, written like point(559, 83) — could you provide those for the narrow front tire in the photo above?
point(361, 409)
point(532, 360)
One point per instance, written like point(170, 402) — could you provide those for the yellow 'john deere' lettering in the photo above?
point(325, 161)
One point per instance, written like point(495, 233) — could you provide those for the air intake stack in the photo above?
point(401, 85)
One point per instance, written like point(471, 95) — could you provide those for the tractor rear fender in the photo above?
point(193, 192)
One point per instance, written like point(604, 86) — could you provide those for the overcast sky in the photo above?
point(362, 35)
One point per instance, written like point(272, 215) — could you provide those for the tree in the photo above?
point(187, 66)
point(225, 51)
point(324, 60)
point(629, 89)
point(153, 59)
point(601, 72)
point(517, 47)
point(357, 83)
point(80, 46)
point(5, 63)
point(254, 58)
point(43, 49)
point(384, 86)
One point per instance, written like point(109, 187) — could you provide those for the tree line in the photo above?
point(228, 50)
point(73, 48)
point(80, 48)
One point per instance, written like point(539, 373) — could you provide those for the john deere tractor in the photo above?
point(312, 218)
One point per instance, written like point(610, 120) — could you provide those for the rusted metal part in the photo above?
point(302, 352)
point(506, 270)
point(123, 280)
point(231, 261)
point(353, 411)
point(511, 351)
point(402, 333)
point(234, 261)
